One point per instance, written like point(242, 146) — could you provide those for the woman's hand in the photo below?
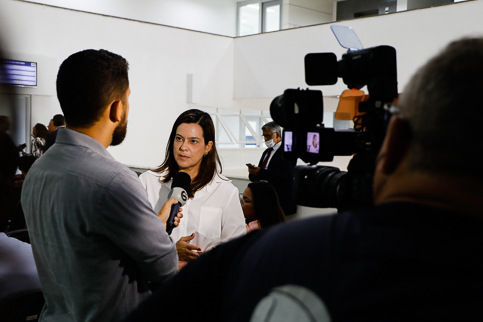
point(163, 214)
point(185, 249)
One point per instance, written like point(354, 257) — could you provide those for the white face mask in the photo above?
point(269, 143)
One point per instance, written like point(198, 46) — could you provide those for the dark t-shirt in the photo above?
point(395, 262)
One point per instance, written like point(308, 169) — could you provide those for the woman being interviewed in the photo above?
point(213, 213)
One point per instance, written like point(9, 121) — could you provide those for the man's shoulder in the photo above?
point(81, 162)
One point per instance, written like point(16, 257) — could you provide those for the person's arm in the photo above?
point(184, 249)
point(165, 211)
point(130, 222)
point(208, 276)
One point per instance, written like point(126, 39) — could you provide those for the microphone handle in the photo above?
point(170, 223)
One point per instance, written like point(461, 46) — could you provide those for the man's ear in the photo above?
point(395, 145)
point(116, 111)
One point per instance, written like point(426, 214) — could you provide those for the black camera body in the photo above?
point(300, 113)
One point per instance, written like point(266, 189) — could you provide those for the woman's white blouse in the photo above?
point(38, 146)
point(214, 214)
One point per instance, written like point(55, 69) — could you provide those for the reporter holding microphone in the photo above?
point(212, 214)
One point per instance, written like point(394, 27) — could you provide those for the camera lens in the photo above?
point(277, 111)
point(319, 186)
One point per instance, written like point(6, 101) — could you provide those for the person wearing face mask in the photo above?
point(212, 214)
point(273, 169)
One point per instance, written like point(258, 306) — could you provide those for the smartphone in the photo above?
point(251, 166)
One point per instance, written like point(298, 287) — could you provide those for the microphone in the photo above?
point(181, 183)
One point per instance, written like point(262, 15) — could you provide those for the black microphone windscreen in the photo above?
point(181, 180)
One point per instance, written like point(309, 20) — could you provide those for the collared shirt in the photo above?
point(214, 214)
point(275, 148)
point(95, 238)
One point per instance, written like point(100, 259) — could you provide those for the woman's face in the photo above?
point(248, 207)
point(189, 147)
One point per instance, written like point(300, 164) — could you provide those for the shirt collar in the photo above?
point(70, 137)
point(276, 146)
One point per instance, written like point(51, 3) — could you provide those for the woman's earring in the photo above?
point(204, 155)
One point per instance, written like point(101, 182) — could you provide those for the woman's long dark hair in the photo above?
point(208, 166)
point(41, 130)
point(266, 204)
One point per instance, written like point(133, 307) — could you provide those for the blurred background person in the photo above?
point(39, 135)
point(17, 218)
point(261, 207)
point(9, 158)
point(213, 214)
point(9, 152)
point(55, 123)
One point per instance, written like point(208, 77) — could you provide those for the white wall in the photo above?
point(160, 59)
point(267, 64)
point(306, 12)
point(245, 72)
point(213, 16)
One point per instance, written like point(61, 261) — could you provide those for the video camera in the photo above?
point(300, 113)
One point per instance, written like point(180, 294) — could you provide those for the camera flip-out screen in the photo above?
point(308, 145)
point(318, 144)
point(287, 146)
point(313, 142)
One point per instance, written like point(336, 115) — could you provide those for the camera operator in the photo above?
point(414, 256)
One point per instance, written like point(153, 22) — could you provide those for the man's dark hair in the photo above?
point(87, 82)
point(58, 120)
point(444, 111)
